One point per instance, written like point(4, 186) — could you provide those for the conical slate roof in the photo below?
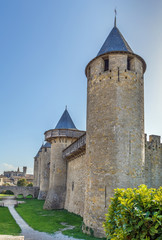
point(47, 145)
point(40, 150)
point(115, 42)
point(65, 121)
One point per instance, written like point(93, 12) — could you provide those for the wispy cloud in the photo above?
point(9, 167)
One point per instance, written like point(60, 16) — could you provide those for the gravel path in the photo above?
point(30, 234)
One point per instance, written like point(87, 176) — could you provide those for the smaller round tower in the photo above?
point(61, 137)
point(44, 171)
point(37, 168)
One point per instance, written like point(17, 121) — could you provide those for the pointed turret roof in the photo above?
point(65, 121)
point(40, 150)
point(115, 42)
point(47, 145)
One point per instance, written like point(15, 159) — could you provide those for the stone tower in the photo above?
point(44, 171)
point(24, 171)
point(37, 168)
point(115, 126)
point(61, 137)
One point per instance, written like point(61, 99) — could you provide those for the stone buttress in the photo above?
point(61, 137)
point(115, 127)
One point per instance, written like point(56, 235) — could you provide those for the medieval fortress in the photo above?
point(78, 170)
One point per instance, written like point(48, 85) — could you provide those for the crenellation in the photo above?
point(153, 161)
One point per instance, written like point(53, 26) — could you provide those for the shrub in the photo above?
point(135, 214)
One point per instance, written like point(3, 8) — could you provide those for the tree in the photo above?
point(22, 182)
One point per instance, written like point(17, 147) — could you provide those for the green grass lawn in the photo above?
point(20, 196)
point(4, 195)
point(50, 221)
point(8, 226)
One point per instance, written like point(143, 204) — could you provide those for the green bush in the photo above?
point(135, 214)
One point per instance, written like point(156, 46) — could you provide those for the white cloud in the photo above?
point(30, 170)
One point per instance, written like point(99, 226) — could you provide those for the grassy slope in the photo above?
point(50, 221)
point(8, 225)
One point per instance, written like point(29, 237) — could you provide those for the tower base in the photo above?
point(42, 195)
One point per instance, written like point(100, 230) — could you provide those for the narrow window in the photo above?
point(48, 164)
point(72, 186)
point(45, 149)
point(106, 66)
point(105, 197)
point(129, 63)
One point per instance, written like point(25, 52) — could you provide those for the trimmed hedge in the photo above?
point(135, 214)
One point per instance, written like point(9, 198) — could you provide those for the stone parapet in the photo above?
point(76, 148)
point(71, 133)
point(153, 161)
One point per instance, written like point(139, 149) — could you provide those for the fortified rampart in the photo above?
point(85, 168)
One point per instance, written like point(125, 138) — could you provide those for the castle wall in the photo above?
point(75, 188)
point(153, 162)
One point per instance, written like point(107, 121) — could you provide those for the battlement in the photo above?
point(75, 148)
point(154, 142)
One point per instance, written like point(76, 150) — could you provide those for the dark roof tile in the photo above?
point(115, 42)
point(65, 122)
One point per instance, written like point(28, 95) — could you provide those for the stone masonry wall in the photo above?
point(153, 161)
point(57, 187)
point(25, 191)
point(115, 133)
point(75, 188)
point(35, 171)
point(44, 172)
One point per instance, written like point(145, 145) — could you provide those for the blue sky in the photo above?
point(45, 46)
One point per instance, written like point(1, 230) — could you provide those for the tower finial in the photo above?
point(115, 17)
point(66, 107)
